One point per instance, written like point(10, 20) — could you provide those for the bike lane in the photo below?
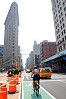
point(28, 92)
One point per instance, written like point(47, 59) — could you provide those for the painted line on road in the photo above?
point(22, 90)
point(48, 80)
point(48, 92)
point(43, 93)
point(27, 77)
point(63, 81)
point(23, 77)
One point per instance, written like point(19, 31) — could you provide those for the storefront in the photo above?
point(57, 62)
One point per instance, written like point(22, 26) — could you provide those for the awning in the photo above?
point(64, 58)
point(59, 54)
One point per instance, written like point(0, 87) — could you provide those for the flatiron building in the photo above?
point(10, 56)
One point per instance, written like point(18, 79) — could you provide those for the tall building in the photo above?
point(10, 57)
point(30, 60)
point(36, 49)
point(59, 15)
point(47, 49)
point(20, 66)
point(1, 55)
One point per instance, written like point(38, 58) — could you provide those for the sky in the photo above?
point(35, 23)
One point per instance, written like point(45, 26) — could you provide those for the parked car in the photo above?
point(45, 73)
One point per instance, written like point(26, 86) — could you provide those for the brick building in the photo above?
point(47, 49)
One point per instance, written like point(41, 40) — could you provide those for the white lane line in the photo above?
point(48, 93)
point(19, 91)
point(22, 90)
point(48, 80)
point(63, 81)
point(27, 77)
point(23, 77)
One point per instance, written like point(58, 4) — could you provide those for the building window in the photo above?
point(64, 31)
point(62, 19)
point(60, 47)
point(61, 27)
point(59, 16)
point(62, 39)
point(57, 20)
point(63, 3)
point(64, 8)
point(13, 46)
point(65, 37)
point(57, 1)
point(61, 13)
point(13, 54)
point(60, 8)
point(59, 35)
point(65, 14)
point(58, 11)
point(56, 27)
point(63, 24)
point(63, 46)
point(58, 30)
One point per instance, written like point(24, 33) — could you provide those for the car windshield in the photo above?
point(45, 70)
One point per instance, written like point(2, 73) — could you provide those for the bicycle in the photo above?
point(36, 87)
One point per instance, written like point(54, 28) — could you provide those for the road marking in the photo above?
point(29, 85)
point(48, 93)
point(48, 80)
point(22, 90)
point(28, 92)
point(23, 77)
point(27, 77)
point(64, 81)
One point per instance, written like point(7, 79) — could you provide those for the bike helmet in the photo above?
point(35, 67)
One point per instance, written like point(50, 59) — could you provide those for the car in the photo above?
point(45, 73)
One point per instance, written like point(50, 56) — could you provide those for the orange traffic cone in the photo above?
point(16, 78)
point(12, 86)
point(3, 93)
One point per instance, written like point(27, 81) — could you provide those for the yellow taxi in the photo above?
point(45, 72)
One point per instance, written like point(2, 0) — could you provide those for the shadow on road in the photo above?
point(33, 96)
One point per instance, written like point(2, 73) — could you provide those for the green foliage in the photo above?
point(16, 71)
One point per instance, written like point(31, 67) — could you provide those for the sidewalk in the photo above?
point(16, 95)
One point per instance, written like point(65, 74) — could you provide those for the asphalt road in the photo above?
point(53, 88)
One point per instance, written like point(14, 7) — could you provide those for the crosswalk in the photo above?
point(58, 76)
point(27, 76)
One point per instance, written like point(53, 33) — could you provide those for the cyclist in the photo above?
point(35, 74)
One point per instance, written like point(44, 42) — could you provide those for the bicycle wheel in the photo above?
point(37, 92)
point(34, 89)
